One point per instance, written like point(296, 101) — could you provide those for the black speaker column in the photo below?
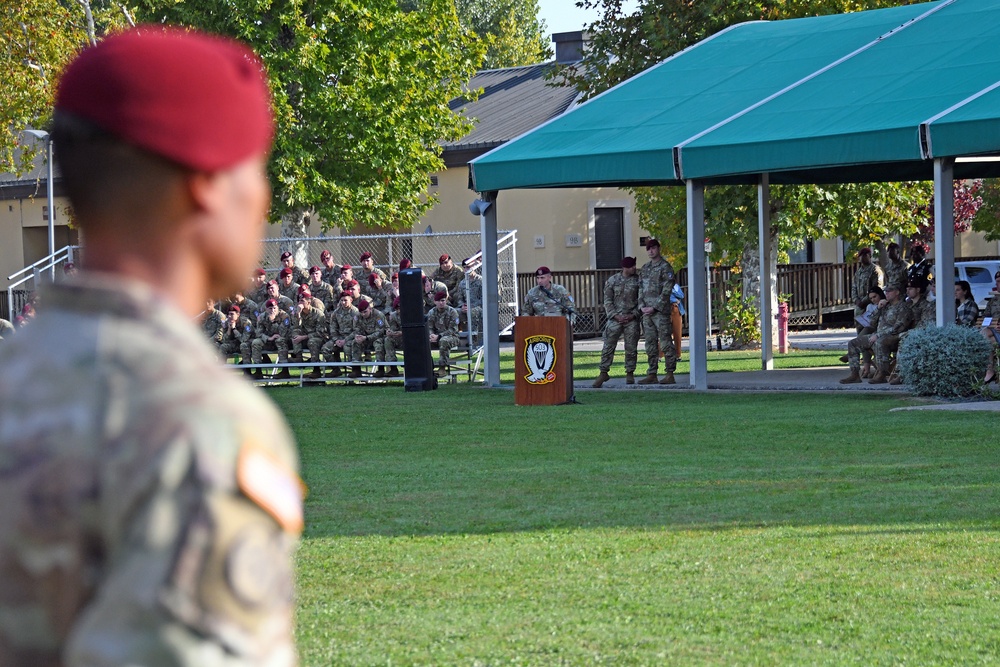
point(418, 366)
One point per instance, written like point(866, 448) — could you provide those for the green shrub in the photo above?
point(740, 321)
point(947, 361)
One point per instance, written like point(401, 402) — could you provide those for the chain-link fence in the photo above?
point(424, 250)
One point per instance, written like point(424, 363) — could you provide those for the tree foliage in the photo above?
point(37, 39)
point(361, 92)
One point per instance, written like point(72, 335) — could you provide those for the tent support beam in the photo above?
point(944, 238)
point(697, 289)
point(491, 291)
point(767, 286)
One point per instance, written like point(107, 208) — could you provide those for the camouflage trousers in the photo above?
point(259, 346)
point(445, 345)
point(613, 331)
point(235, 347)
point(476, 317)
point(391, 346)
point(331, 351)
point(884, 348)
point(378, 346)
point(659, 338)
point(314, 344)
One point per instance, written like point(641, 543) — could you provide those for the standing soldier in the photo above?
point(369, 336)
point(450, 275)
point(547, 299)
point(868, 275)
point(657, 282)
point(921, 267)
point(621, 305)
point(895, 268)
point(442, 322)
point(150, 498)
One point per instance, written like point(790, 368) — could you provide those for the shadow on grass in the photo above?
point(458, 461)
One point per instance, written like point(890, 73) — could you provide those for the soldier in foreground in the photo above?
point(150, 496)
point(656, 284)
point(621, 305)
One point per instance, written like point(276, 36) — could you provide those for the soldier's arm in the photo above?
point(663, 302)
point(610, 308)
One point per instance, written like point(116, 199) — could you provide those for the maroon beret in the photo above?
point(234, 308)
point(362, 305)
point(628, 262)
point(347, 294)
point(199, 100)
point(365, 255)
point(395, 302)
point(305, 295)
point(304, 288)
point(345, 267)
point(652, 243)
point(348, 284)
point(272, 282)
point(440, 294)
point(405, 264)
point(285, 272)
point(372, 277)
point(260, 272)
point(285, 255)
point(542, 270)
point(443, 258)
point(270, 302)
point(325, 254)
point(314, 269)
point(395, 276)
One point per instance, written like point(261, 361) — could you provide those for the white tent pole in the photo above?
point(944, 238)
point(767, 287)
point(698, 299)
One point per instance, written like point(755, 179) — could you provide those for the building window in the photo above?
point(609, 237)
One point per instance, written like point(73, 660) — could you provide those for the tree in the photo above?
point(37, 39)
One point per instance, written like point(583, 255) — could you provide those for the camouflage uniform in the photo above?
point(471, 289)
point(212, 325)
point(6, 329)
point(313, 325)
point(893, 319)
point(393, 343)
point(450, 279)
point(444, 322)
point(865, 278)
point(340, 325)
point(436, 286)
point(621, 298)
point(131, 531)
point(290, 291)
point(656, 283)
point(373, 328)
point(363, 276)
point(381, 299)
point(299, 276)
point(557, 302)
point(238, 340)
point(895, 274)
point(924, 313)
point(325, 293)
point(332, 276)
point(258, 295)
point(285, 304)
point(266, 327)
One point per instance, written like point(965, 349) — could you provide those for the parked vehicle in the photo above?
point(980, 276)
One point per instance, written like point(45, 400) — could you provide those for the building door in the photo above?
point(609, 237)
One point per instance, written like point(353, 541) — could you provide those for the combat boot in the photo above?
point(283, 374)
point(668, 379)
point(629, 377)
point(879, 378)
point(355, 372)
point(649, 379)
point(853, 378)
point(601, 379)
point(316, 374)
point(895, 379)
point(380, 373)
point(257, 374)
point(441, 372)
point(394, 371)
point(843, 359)
point(334, 372)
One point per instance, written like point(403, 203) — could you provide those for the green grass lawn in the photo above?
point(455, 528)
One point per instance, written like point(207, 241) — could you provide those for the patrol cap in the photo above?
point(440, 294)
point(372, 277)
point(405, 264)
point(199, 100)
point(652, 243)
point(285, 272)
point(362, 305)
point(628, 262)
point(542, 270)
point(443, 258)
point(325, 255)
point(365, 255)
point(260, 272)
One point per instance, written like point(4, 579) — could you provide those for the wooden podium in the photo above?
point(543, 361)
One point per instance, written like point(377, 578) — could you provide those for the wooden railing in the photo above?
point(816, 290)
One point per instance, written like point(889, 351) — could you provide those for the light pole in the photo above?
point(42, 135)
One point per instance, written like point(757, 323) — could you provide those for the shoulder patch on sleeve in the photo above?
point(272, 485)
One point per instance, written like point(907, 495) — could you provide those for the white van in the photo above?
point(980, 276)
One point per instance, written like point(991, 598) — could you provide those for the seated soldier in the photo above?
point(257, 291)
point(237, 332)
point(321, 289)
point(369, 336)
point(248, 307)
point(284, 303)
point(442, 322)
point(923, 315)
point(893, 319)
point(316, 303)
point(379, 291)
point(287, 286)
point(393, 291)
point(340, 332)
point(449, 275)
point(368, 268)
point(299, 276)
point(331, 270)
point(273, 330)
point(211, 322)
point(354, 287)
point(469, 295)
point(393, 337)
point(308, 331)
point(431, 288)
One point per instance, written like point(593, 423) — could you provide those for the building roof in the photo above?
point(863, 96)
point(514, 100)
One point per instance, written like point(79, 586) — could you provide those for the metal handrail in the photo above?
point(36, 272)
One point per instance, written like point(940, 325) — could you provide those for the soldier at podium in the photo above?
point(548, 299)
